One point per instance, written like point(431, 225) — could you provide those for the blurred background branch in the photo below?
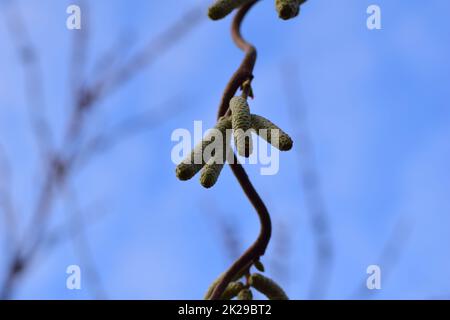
point(81, 243)
point(59, 162)
point(28, 57)
point(7, 206)
point(310, 180)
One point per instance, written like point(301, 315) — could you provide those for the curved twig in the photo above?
point(244, 73)
point(245, 70)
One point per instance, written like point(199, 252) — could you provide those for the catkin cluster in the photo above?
point(240, 291)
point(211, 158)
point(244, 123)
point(287, 9)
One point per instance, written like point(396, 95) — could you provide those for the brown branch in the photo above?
point(245, 70)
point(244, 73)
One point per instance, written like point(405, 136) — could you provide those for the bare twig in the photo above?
point(243, 74)
point(258, 248)
point(245, 70)
point(310, 179)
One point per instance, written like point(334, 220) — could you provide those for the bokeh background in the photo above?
point(367, 182)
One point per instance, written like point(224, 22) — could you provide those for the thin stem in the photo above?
point(245, 70)
point(258, 248)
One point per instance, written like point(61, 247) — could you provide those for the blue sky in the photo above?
point(378, 118)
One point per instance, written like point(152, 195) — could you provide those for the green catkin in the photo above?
point(260, 123)
point(267, 286)
point(214, 166)
point(241, 122)
point(221, 8)
point(211, 173)
point(189, 166)
point(245, 294)
point(288, 9)
point(232, 290)
point(213, 286)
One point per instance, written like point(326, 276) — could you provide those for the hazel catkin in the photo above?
point(288, 9)
point(211, 173)
point(221, 8)
point(241, 123)
point(215, 164)
point(267, 286)
point(213, 286)
point(264, 128)
point(245, 294)
point(193, 163)
point(232, 290)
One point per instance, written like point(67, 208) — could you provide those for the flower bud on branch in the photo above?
point(259, 266)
